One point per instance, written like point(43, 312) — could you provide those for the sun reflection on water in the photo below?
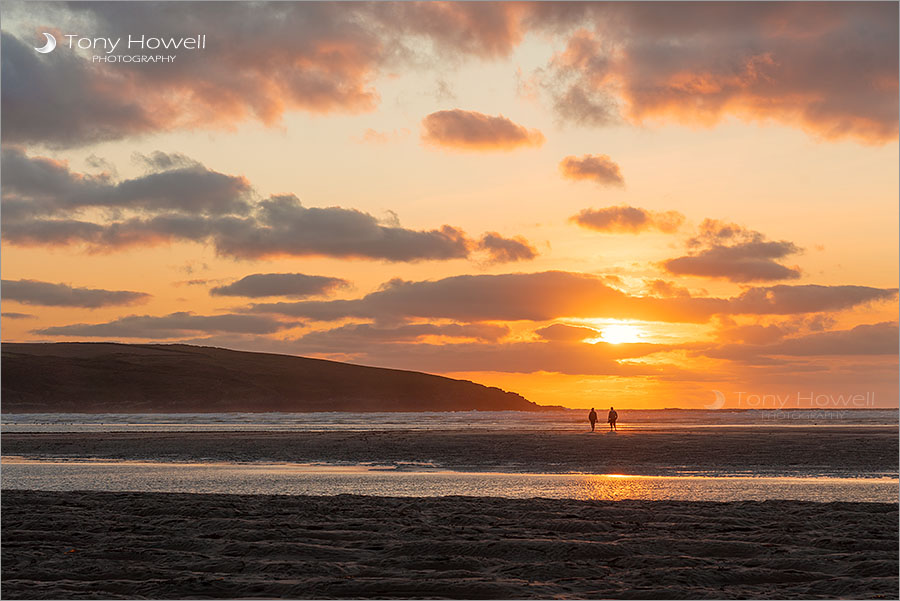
point(614, 487)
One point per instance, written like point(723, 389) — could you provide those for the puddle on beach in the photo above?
point(415, 480)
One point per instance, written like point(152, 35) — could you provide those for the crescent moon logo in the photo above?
point(718, 403)
point(49, 46)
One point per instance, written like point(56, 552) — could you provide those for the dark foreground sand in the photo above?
point(836, 451)
point(155, 545)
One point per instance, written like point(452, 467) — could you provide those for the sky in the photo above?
point(641, 204)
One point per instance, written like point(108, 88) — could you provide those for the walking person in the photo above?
point(611, 418)
point(592, 417)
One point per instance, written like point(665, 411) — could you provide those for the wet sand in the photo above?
point(160, 545)
point(760, 451)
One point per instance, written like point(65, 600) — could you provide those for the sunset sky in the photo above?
point(635, 204)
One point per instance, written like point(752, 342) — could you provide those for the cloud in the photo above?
point(350, 336)
point(551, 295)
point(14, 315)
point(39, 185)
point(758, 333)
point(807, 298)
point(866, 339)
point(173, 325)
point(468, 130)
point(667, 289)
point(296, 285)
point(266, 61)
point(33, 292)
point(261, 62)
point(753, 333)
point(45, 203)
point(598, 168)
point(574, 358)
point(724, 250)
point(458, 29)
point(164, 161)
point(564, 333)
point(506, 250)
point(508, 297)
point(830, 69)
point(278, 226)
point(625, 219)
point(283, 226)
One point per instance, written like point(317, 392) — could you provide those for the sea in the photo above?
point(648, 419)
point(417, 479)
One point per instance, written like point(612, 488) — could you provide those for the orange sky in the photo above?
point(630, 204)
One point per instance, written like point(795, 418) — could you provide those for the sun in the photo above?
point(620, 333)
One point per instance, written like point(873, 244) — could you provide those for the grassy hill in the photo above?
point(87, 377)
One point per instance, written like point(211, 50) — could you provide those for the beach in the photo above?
point(157, 545)
point(127, 542)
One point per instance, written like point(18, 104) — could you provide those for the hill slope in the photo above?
point(157, 378)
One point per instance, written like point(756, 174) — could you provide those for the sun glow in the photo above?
point(620, 333)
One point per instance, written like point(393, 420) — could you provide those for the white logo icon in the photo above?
point(49, 46)
point(718, 403)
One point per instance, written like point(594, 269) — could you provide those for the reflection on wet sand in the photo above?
point(421, 481)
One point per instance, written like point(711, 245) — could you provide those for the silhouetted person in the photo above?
point(613, 416)
point(592, 417)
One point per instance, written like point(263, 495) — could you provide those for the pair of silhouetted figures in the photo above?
point(611, 418)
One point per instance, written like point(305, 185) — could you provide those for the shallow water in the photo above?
point(456, 420)
point(420, 481)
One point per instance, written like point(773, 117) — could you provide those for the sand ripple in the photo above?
point(157, 545)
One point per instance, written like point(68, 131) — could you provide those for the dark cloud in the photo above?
point(44, 204)
point(866, 339)
point(481, 29)
point(173, 325)
point(33, 292)
point(40, 185)
point(261, 61)
point(725, 250)
point(283, 226)
point(598, 168)
point(14, 315)
point(164, 161)
point(279, 226)
point(807, 298)
point(506, 250)
point(469, 130)
point(627, 219)
point(507, 297)
point(564, 333)
point(550, 295)
point(295, 285)
point(829, 68)
point(759, 333)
